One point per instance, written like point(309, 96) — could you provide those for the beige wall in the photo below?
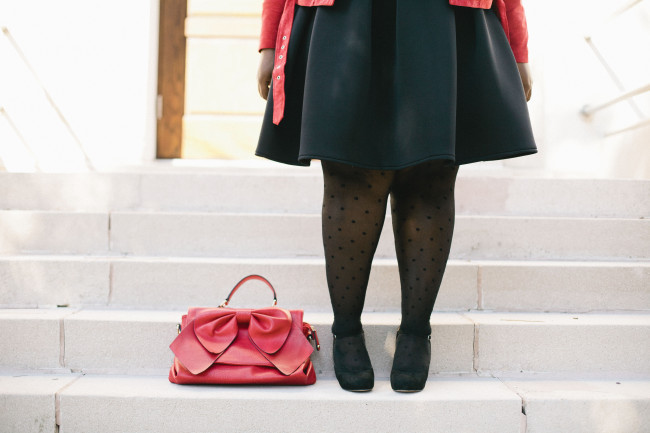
point(223, 110)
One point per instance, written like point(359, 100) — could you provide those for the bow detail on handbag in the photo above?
point(237, 346)
point(209, 334)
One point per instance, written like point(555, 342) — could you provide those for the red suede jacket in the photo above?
point(277, 19)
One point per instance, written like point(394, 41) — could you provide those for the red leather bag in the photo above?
point(233, 346)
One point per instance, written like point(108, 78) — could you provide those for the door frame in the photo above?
point(172, 52)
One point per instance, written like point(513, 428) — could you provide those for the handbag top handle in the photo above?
point(246, 279)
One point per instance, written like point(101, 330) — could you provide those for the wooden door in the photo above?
point(220, 112)
point(171, 78)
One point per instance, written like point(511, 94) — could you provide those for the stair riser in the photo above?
point(449, 405)
point(452, 408)
point(299, 286)
point(291, 236)
point(587, 349)
point(215, 235)
point(584, 405)
point(29, 402)
point(584, 413)
point(85, 414)
point(302, 193)
point(30, 282)
point(297, 236)
point(138, 343)
point(42, 232)
point(32, 342)
point(121, 352)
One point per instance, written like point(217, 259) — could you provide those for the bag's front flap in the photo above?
point(210, 333)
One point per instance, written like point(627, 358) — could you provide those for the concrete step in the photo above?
point(75, 404)
point(299, 235)
point(478, 192)
point(136, 342)
point(29, 402)
point(151, 404)
point(61, 232)
point(584, 406)
point(177, 283)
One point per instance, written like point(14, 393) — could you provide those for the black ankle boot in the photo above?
point(352, 363)
point(411, 363)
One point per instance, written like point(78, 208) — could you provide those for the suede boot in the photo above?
point(411, 363)
point(352, 363)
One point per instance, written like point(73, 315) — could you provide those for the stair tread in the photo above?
point(370, 318)
point(309, 260)
point(146, 282)
point(439, 387)
point(136, 342)
point(447, 404)
point(269, 214)
point(278, 190)
point(223, 235)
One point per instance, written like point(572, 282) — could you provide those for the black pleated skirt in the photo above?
point(386, 84)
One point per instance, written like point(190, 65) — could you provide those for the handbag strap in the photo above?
point(243, 281)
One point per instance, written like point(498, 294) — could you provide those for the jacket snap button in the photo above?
point(278, 77)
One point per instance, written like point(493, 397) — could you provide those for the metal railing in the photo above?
point(624, 95)
point(50, 100)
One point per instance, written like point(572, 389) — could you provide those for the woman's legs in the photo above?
point(423, 210)
point(422, 204)
point(354, 209)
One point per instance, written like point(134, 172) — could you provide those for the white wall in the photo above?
point(568, 75)
point(98, 62)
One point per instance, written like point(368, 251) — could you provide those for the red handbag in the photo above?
point(234, 346)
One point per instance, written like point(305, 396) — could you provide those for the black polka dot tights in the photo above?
point(354, 209)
